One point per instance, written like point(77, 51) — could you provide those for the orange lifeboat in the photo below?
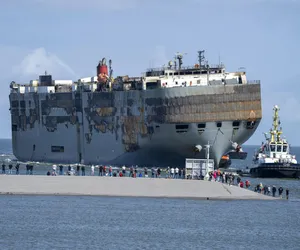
point(225, 157)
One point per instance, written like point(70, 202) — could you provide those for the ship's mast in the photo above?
point(201, 57)
point(275, 133)
point(179, 57)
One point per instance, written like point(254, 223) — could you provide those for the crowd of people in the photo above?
point(267, 190)
point(123, 171)
point(232, 179)
point(29, 169)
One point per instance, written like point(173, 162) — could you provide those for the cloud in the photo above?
point(38, 61)
point(85, 4)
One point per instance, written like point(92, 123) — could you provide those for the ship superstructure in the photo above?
point(159, 119)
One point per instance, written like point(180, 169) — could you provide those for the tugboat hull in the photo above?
point(276, 170)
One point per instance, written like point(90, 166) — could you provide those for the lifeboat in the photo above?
point(225, 162)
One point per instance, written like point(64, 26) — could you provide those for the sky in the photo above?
point(68, 38)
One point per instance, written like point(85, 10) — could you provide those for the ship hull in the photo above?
point(166, 147)
point(133, 127)
point(276, 170)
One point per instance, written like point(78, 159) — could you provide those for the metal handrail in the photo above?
point(253, 81)
point(215, 66)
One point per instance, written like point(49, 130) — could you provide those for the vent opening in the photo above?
point(181, 126)
point(57, 149)
point(236, 123)
point(201, 125)
point(250, 124)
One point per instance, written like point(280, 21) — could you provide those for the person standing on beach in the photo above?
point(83, 171)
point(10, 166)
point(61, 169)
point(54, 169)
point(158, 172)
point(238, 180)
point(101, 170)
point(110, 171)
point(27, 169)
point(135, 171)
point(274, 191)
point(287, 193)
point(17, 168)
point(131, 172)
point(3, 168)
point(152, 172)
point(176, 172)
point(280, 191)
point(172, 173)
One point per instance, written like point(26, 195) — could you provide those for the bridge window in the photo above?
point(272, 147)
point(219, 124)
point(284, 148)
point(279, 147)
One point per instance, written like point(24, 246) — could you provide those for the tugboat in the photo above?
point(273, 158)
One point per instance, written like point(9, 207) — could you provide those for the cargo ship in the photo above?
point(158, 119)
point(273, 159)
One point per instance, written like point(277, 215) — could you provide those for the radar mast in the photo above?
point(201, 57)
point(275, 133)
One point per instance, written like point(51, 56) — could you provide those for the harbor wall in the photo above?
point(124, 187)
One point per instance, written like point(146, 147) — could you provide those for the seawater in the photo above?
point(57, 222)
point(81, 222)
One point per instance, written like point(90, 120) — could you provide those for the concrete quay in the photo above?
point(123, 187)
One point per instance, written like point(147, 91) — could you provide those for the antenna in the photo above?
point(175, 62)
point(201, 57)
point(179, 57)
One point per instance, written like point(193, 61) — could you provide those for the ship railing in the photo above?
point(203, 67)
point(253, 81)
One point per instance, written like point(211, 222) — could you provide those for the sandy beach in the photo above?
point(124, 187)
